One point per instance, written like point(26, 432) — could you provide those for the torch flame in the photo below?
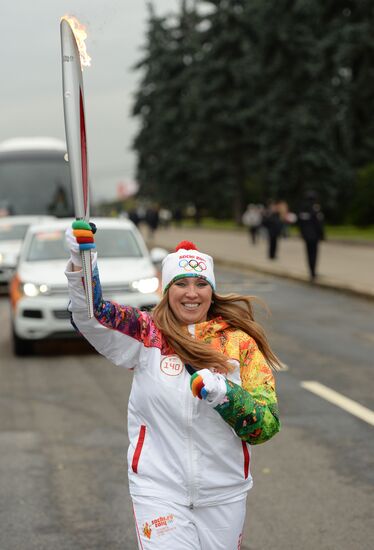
point(80, 34)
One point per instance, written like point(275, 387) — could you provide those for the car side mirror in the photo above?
point(158, 254)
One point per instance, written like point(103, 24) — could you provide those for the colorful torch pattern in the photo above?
point(75, 130)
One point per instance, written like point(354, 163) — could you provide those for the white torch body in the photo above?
point(75, 129)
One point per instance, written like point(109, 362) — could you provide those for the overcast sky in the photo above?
point(31, 81)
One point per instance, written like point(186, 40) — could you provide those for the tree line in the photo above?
point(249, 100)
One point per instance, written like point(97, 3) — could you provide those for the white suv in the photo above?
point(38, 290)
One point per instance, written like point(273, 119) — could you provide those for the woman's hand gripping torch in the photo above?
point(72, 50)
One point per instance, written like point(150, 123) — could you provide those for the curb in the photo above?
point(326, 285)
point(369, 243)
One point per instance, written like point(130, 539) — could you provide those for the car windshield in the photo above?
point(13, 232)
point(111, 243)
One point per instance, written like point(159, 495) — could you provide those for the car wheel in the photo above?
point(22, 347)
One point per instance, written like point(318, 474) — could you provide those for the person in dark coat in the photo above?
point(178, 216)
point(134, 217)
point(310, 221)
point(273, 223)
point(152, 219)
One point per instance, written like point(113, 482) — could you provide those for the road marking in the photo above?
point(339, 400)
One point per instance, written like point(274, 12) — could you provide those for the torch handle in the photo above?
point(87, 277)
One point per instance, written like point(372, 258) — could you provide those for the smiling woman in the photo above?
point(190, 436)
point(190, 300)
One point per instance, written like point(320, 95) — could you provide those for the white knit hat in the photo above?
point(187, 261)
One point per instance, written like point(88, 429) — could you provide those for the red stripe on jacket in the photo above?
point(138, 449)
point(246, 459)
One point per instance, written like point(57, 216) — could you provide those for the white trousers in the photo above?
point(161, 525)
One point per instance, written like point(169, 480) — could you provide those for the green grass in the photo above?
point(348, 232)
point(212, 223)
point(351, 232)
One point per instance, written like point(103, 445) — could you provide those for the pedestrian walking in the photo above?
point(273, 224)
point(178, 216)
point(165, 216)
point(252, 219)
point(152, 220)
point(310, 220)
point(282, 207)
point(134, 217)
point(202, 393)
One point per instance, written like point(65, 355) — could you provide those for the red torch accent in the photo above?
point(83, 151)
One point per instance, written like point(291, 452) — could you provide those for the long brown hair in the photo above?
point(235, 309)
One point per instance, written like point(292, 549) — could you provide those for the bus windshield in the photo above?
point(35, 183)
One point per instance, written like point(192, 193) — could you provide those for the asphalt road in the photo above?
point(63, 480)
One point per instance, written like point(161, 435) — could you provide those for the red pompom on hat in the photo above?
point(185, 245)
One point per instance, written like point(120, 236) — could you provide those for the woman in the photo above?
point(252, 218)
point(202, 393)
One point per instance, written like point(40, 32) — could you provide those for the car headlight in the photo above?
point(8, 259)
point(146, 286)
point(31, 289)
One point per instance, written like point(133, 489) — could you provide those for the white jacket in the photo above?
point(180, 449)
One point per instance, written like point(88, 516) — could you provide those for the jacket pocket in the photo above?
point(247, 459)
point(138, 449)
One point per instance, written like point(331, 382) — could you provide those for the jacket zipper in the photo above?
point(190, 409)
point(190, 458)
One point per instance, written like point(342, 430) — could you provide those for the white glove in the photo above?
point(209, 386)
point(73, 247)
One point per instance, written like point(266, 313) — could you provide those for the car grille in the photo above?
point(107, 289)
point(61, 314)
point(148, 307)
point(57, 291)
point(33, 313)
point(6, 271)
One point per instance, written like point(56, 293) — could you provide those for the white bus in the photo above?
point(35, 177)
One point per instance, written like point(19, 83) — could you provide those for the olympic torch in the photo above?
point(74, 55)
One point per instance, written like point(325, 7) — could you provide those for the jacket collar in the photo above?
point(208, 329)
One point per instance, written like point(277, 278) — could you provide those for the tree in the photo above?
point(148, 106)
point(169, 166)
point(227, 116)
point(362, 212)
point(256, 98)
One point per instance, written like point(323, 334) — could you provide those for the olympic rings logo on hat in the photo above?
point(192, 265)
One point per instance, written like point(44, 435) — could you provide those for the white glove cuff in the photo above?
point(77, 260)
point(218, 396)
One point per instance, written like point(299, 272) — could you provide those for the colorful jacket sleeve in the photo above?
point(251, 409)
point(118, 332)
